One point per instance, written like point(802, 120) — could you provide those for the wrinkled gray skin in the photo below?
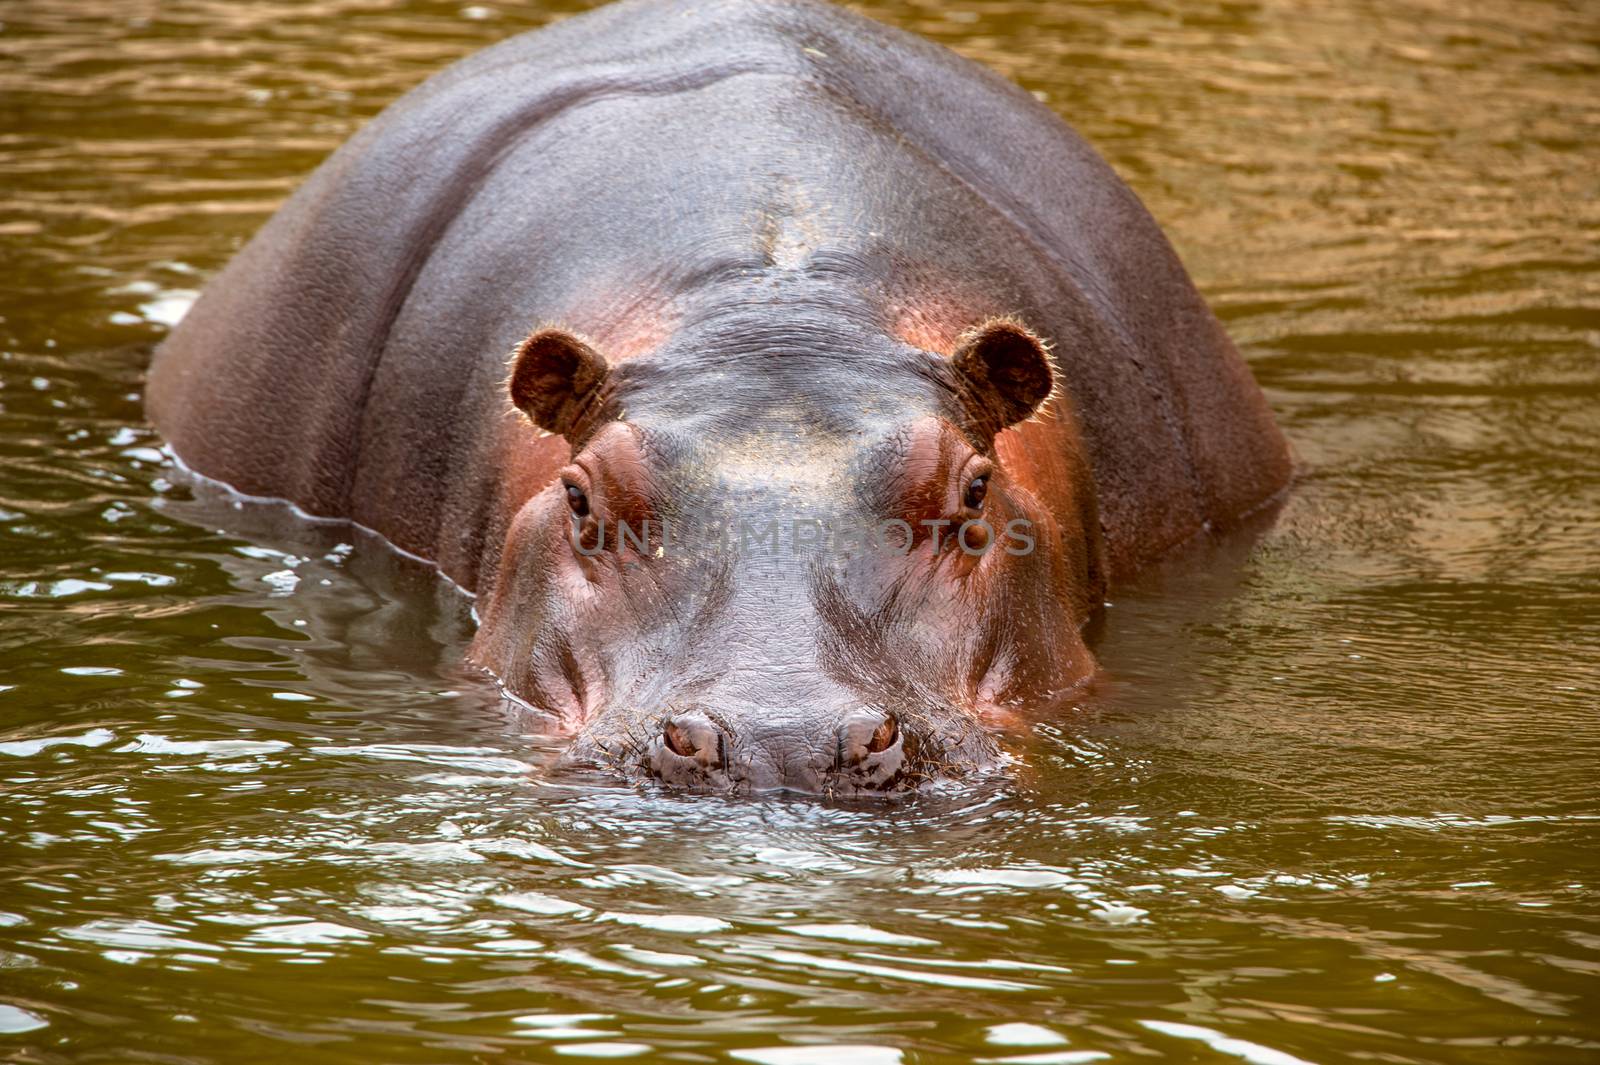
point(772, 223)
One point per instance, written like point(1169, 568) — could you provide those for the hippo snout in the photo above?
point(862, 751)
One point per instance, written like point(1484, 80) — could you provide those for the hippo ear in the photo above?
point(1006, 372)
point(558, 381)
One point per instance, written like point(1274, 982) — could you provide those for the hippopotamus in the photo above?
point(759, 266)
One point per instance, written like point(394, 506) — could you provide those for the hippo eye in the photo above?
point(577, 501)
point(977, 489)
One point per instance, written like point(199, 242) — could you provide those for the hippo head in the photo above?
point(790, 556)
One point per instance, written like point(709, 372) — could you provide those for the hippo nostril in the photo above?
point(866, 733)
point(885, 735)
point(678, 741)
point(694, 736)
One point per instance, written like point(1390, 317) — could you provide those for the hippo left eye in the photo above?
point(577, 501)
point(977, 490)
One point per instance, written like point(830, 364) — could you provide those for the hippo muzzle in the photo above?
point(863, 752)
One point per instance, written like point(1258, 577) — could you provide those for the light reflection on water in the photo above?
point(1333, 795)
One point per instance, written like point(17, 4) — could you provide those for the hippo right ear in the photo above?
point(559, 382)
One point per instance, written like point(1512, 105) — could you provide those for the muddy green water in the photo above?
point(1333, 799)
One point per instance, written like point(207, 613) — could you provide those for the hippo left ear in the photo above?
point(558, 381)
point(1006, 371)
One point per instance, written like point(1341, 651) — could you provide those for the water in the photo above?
point(1334, 796)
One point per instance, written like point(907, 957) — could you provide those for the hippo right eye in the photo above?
point(577, 501)
point(977, 491)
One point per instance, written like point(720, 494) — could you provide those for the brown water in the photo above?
point(1334, 798)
